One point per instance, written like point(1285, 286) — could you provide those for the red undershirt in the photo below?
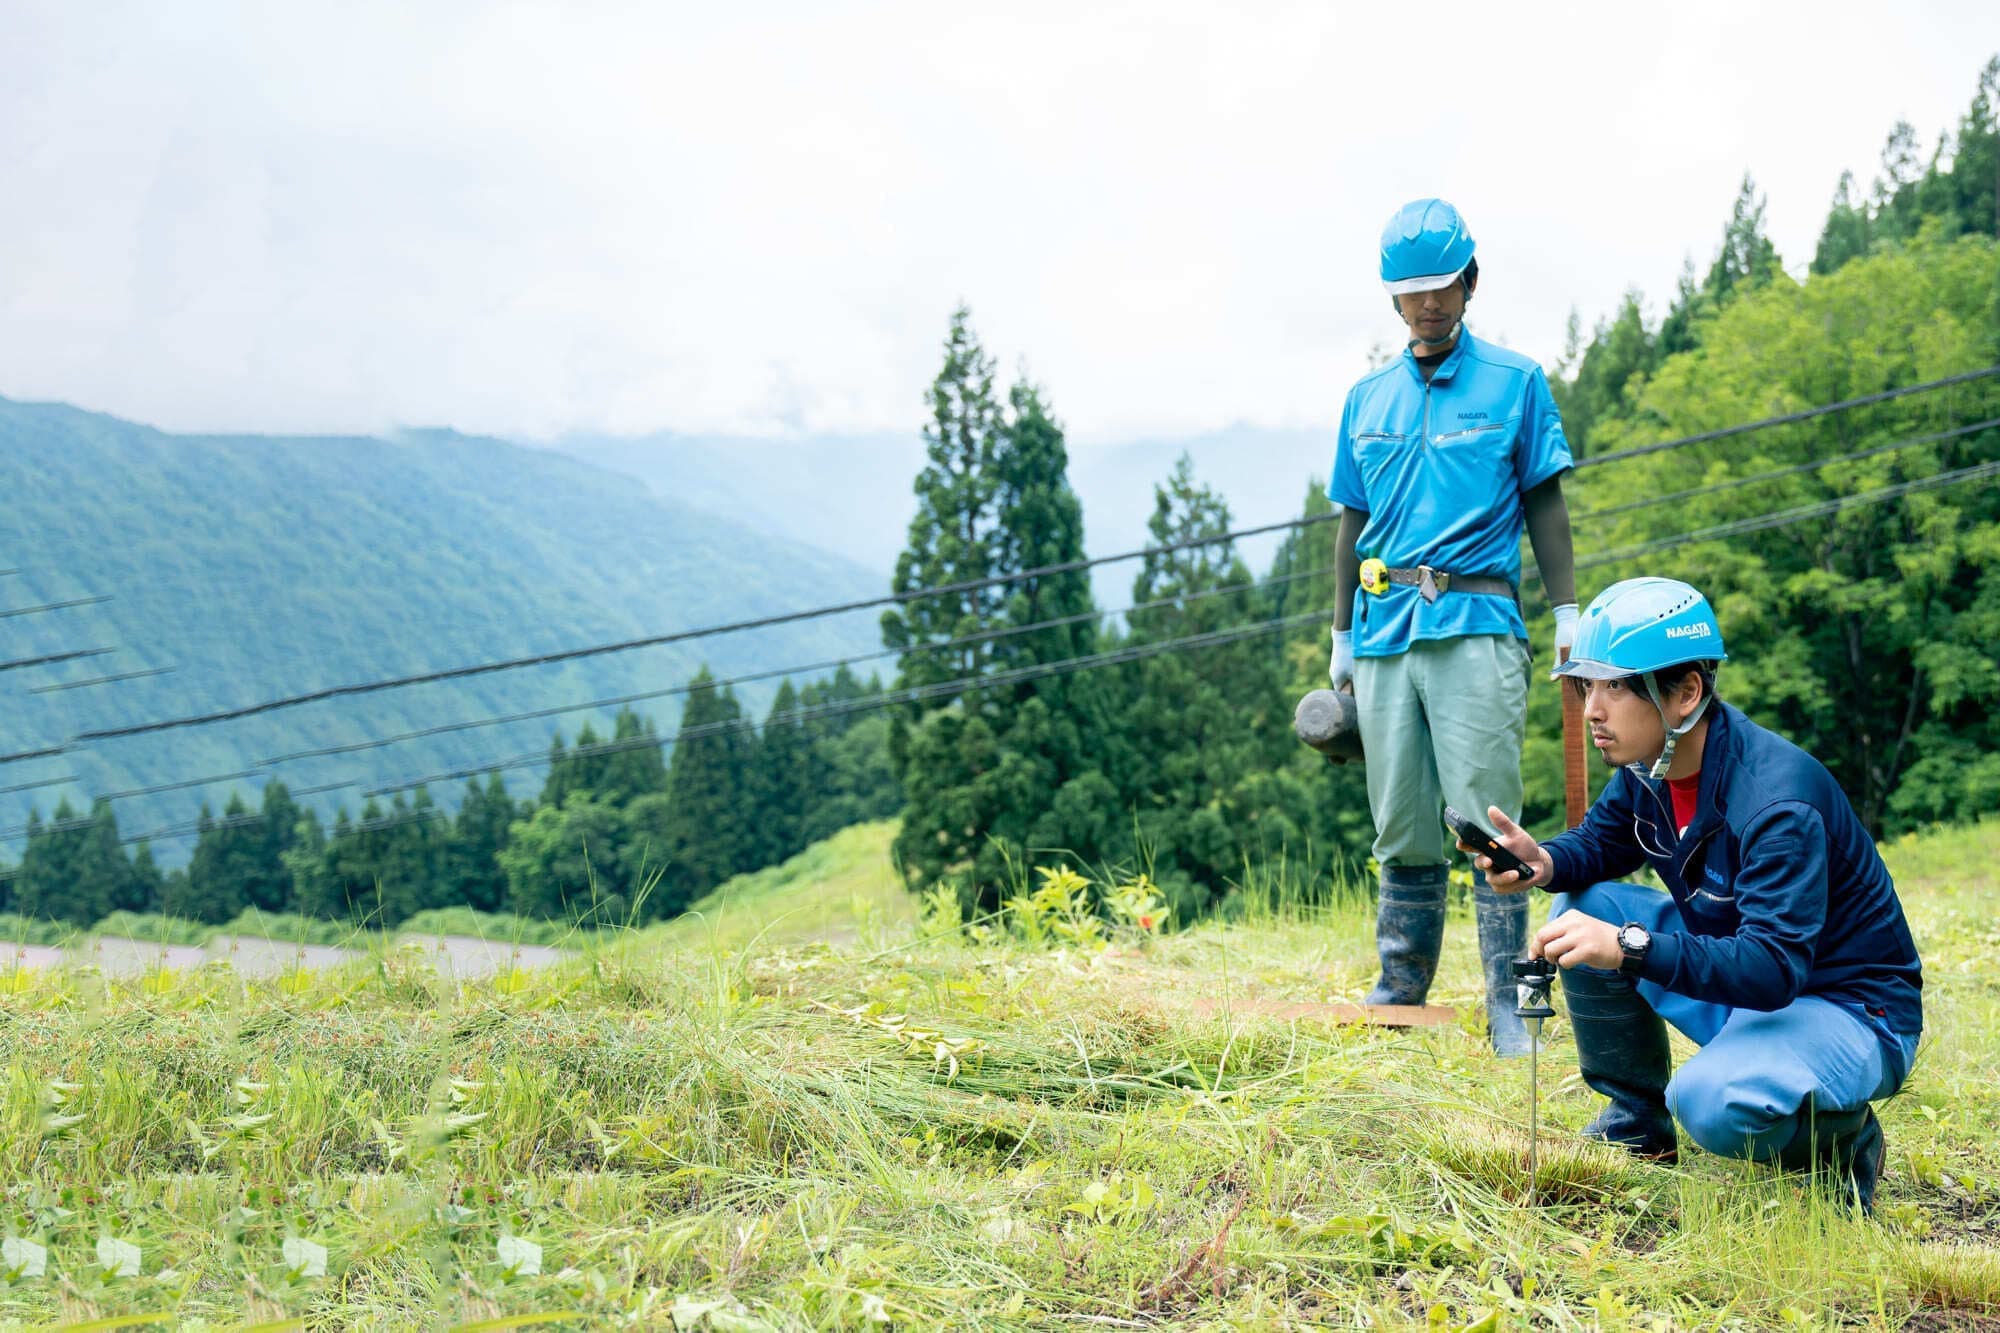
point(1684, 792)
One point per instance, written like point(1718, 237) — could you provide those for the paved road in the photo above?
point(464, 957)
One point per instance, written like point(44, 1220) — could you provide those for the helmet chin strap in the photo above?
point(1674, 733)
point(1446, 341)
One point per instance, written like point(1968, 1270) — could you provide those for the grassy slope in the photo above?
point(748, 1134)
point(258, 567)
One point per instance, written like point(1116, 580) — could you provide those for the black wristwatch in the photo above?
point(1633, 942)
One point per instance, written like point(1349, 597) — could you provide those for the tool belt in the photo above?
point(1377, 576)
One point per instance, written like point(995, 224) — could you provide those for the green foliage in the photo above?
point(986, 770)
point(484, 816)
point(953, 537)
point(709, 828)
point(1872, 628)
point(563, 862)
point(1866, 634)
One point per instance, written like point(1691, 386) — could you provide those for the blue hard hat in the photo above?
point(1424, 247)
point(1641, 625)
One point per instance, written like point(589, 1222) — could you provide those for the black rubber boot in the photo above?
point(1409, 929)
point(1503, 939)
point(1846, 1147)
point(1621, 1050)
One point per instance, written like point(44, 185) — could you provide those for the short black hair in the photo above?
point(1667, 678)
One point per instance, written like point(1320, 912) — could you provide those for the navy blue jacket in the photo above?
point(1780, 886)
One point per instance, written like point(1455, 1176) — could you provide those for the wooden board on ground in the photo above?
point(1372, 1015)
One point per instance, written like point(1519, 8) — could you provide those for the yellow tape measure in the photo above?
point(1375, 575)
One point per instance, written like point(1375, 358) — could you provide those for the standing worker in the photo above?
point(1780, 946)
point(1443, 455)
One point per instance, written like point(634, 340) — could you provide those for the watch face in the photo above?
point(1634, 938)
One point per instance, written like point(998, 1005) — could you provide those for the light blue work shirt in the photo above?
point(1440, 469)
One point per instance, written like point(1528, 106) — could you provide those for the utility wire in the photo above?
point(1786, 419)
point(947, 645)
point(964, 685)
point(52, 658)
point(1129, 653)
point(1786, 517)
point(53, 606)
point(682, 636)
point(1813, 465)
point(229, 821)
point(1715, 533)
point(38, 782)
point(102, 680)
point(949, 589)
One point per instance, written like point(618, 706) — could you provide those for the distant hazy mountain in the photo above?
point(852, 493)
point(257, 567)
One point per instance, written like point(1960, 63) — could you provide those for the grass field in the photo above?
point(798, 1110)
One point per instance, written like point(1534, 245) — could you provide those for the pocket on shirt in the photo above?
point(1713, 913)
point(1375, 451)
point(1485, 450)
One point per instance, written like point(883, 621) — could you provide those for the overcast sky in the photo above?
point(532, 219)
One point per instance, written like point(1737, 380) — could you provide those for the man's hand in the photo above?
point(1574, 939)
point(1341, 669)
point(1565, 629)
point(1516, 840)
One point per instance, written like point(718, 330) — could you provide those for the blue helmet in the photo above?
point(1640, 625)
point(1424, 247)
point(1636, 627)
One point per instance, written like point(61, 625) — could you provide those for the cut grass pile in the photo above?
point(724, 1123)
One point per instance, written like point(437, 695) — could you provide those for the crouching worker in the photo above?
point(1779, 947)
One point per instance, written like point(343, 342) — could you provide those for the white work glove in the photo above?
point(1565, 629)
point(1341, 669)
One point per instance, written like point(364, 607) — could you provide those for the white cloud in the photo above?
point(532, 218)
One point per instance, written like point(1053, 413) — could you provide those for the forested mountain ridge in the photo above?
point(261, 566)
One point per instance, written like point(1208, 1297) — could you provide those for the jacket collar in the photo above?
point(1718, 769)
point(1447, 367)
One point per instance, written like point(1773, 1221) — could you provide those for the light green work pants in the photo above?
point(1441, 724)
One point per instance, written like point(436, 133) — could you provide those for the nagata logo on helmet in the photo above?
point(1688, 631)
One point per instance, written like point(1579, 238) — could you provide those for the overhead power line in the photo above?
point(38, 782)
point(936, 689)
point(947, 645)
point(1786, 419)
point(193, 828)
point(52, 658)
point(46, 752)
point(1760, 523)
point(682, 636)
point(53, 606)
point(950, 589)
point(1128, 653)
point(102, 680)
point(1812, 465)
point(192, 825)
point(1786, 517)
point(1118, 656)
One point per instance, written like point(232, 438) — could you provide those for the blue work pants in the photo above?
point(1759, 1074)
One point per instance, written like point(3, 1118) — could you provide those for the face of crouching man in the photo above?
point(1627, 729)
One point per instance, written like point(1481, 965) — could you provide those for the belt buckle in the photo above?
point(1431, 582)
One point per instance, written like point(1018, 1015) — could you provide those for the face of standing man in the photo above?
point(1433, 317)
